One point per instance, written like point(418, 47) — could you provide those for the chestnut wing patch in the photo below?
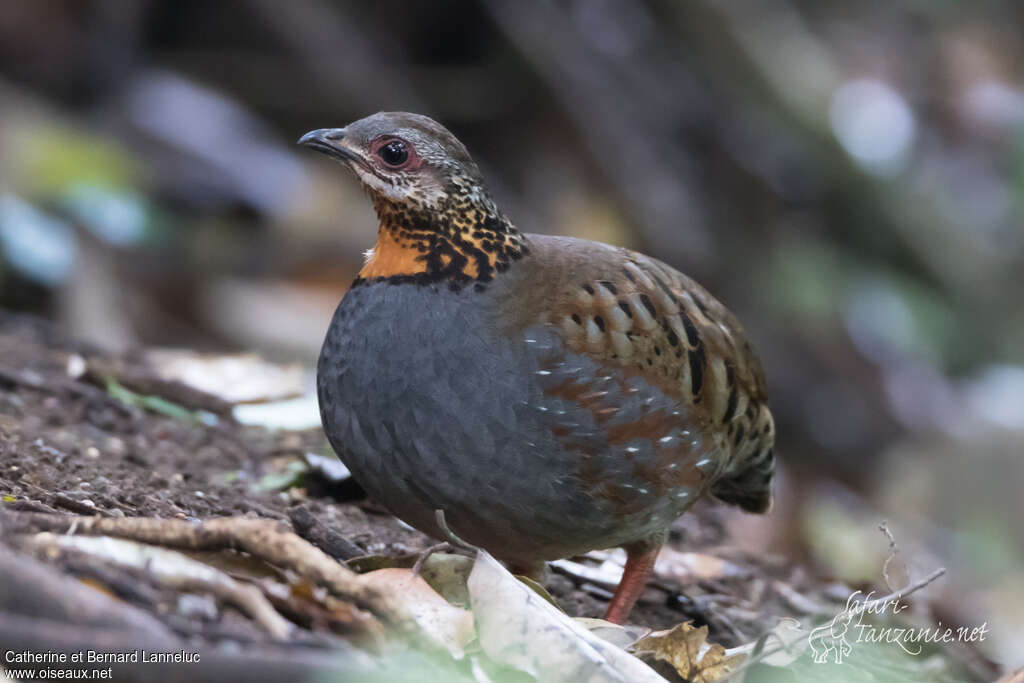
point(643, 319)
point(637, 448)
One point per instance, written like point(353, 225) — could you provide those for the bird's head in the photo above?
point(437, 221)
point(401, 158)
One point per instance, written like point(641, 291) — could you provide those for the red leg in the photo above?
point(639, 563)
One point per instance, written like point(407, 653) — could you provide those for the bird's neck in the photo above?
point(462, 239)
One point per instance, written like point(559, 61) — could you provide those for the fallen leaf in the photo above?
point(521, 630)
point(447, 574)
point(687, 649)
point(448, 625)
point(234, 378)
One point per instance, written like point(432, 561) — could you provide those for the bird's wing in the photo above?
point(642, 318)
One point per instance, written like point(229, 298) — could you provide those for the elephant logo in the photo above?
point(830, 640)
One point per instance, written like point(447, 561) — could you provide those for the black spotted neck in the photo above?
point(463, 238)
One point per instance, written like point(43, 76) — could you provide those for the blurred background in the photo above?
point(847, 177)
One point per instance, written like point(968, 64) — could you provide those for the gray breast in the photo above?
point(432, 410)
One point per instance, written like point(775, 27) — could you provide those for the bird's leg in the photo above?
point(640, 558)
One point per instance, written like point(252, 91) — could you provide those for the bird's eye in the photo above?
point(394, 153)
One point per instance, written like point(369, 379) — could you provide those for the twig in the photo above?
point(62, 500)
point(894, 550)
point(425, 555)
point(452, 537)
point(903, 592)
point(322, 536)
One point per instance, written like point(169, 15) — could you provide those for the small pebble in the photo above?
point(76, 366)
point(200, 494)
point(92, 452)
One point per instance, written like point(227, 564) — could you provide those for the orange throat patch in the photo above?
point(390, 256)
point(471, 246)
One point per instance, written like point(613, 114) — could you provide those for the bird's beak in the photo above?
point(330, 141)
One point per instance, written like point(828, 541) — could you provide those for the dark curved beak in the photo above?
point(329, 141)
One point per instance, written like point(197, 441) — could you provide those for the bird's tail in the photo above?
point(748, 481)
point(750, 488)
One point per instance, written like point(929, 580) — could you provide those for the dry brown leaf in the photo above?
point(687, 649)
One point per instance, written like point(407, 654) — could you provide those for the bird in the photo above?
point(551, 395)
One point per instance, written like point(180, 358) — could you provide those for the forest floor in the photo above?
point(86, 436)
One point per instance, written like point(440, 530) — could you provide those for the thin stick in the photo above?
point(894, 550)
point(425, 555)
point(452, 537)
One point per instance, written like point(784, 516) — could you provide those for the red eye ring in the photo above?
point(395, 153)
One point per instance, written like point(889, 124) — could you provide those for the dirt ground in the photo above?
point(71, 445)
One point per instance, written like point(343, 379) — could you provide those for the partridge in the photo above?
point(551, 395)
